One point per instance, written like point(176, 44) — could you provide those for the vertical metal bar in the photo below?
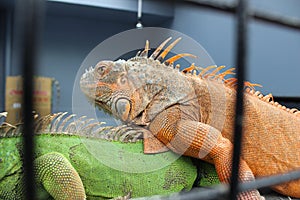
point(8, 43)
point(3, 15)
point(28, 18)
point(241, 14)
point(5, 48)
point(139, 13)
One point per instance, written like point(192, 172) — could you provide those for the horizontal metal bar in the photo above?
point(270, 181)
point(196, 194)
point(153, 7)
point(268, 17)
point(287, 99)
point(222, 190)
point(217, 5)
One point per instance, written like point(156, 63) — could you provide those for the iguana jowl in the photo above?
point(193, 114)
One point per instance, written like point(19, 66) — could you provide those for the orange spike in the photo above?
point(223, 74)
point(206, 69)
point(168, 49)
point(230, 82)
point(178, 56)
point(251, 85)
point(145, 52)
point(213, 73)
point(159, 48)
point(190, 68)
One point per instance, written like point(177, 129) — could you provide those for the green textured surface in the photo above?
point(99, 180)
point(10, 168)
point(209, 176)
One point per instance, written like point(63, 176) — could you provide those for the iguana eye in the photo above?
point(100, 69)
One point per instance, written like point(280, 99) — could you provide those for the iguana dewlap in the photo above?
point(192, 113)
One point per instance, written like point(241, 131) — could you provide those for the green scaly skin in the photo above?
point(65, 169)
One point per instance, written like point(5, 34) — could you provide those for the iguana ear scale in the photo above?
point(122, 108)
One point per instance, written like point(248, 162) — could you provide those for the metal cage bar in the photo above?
point(28, 17)
point(241, 61)
point(222, 190)
point(29, 12)
point(267, 17)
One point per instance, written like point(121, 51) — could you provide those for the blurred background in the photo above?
point(72, 28)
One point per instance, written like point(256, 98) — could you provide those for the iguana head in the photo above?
point(106, 85)
point(128, 88)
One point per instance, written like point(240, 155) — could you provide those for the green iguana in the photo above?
point(192, 113)
point(65, 169)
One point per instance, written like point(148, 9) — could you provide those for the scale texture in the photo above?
point(191, 112)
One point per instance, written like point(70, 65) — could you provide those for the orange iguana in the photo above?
point(191, 112)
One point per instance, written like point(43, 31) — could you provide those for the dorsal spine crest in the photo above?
point(203, 73)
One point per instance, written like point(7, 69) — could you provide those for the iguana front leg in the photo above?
point(58, 177)
point(192, 138)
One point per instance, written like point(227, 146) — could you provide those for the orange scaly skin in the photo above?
point(194, 115)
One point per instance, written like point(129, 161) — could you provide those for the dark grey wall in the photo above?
point(71, 32)
point(274, 52)
point(66, 42)
point(274, 57)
